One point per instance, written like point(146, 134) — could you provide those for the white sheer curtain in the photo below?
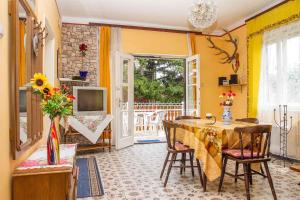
point(280, 79)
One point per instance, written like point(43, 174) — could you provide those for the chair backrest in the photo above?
point(160, 114)
point(170, 130)
point(260, 139)
point(249, 120)
point(186, 117)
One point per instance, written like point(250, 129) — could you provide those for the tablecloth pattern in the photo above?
point(208, 141)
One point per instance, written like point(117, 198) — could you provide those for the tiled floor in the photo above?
point(133, 173)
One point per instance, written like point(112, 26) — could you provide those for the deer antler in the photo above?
point(221, 51)
point(234, 42)
point(230, 58)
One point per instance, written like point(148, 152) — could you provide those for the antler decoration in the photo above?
point(233, 58)
point(39, 36)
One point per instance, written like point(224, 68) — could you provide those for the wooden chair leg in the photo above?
point(222, 174)
point(250, 174)
point(184, 162)
point(192, 163)
point(270, 180)
point(245, 166)
point(236, 171)
point(200, 172)
point(165, 164)
point(204, 182)
point(181, 164)
point(169, 169)
point(262, 170)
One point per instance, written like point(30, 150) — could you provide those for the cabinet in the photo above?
point(34, 179)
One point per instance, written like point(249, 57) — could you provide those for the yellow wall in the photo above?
point(166, 43)
point(4, 105)
point(44, 9)
point(153, 42)
point(211, 69)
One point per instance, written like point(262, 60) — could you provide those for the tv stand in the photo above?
point(91, 132)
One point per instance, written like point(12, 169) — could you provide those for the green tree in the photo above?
point(158, 80)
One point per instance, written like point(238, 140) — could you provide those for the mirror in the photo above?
point(26, 118)
point(22, 78)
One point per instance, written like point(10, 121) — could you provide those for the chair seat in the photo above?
point(238, 154)
point(181, 147)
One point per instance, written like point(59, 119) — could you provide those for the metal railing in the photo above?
point(148, 116)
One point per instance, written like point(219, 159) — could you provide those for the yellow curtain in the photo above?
point(105, 34)
point(193, 43)
point(193, 51)
point(22, 53)
point(279, 16)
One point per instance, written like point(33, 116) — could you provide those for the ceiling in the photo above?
point(167, 14)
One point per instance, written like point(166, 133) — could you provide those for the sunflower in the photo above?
point(39, 81)
point(48, 89)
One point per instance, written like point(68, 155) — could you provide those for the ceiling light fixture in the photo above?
point(203, 14)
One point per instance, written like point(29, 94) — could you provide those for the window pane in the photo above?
point(293, 70)
point(272, 72)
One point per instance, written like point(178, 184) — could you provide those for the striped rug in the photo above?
point(89, 179)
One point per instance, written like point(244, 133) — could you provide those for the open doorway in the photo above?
point(159, 93)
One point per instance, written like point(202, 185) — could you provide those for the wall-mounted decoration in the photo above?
point(38, 37)
point(232, 58)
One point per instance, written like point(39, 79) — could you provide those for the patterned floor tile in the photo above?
point(133, 174)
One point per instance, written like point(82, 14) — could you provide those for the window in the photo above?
point(280, 69)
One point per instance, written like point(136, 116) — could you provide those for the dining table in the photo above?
point(208, 140)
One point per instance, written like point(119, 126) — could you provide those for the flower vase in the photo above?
point(53, 155)
point(227, 117)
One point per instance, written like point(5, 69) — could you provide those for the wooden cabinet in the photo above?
point(35, 180)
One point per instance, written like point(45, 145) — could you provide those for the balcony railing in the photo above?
point(148, 116)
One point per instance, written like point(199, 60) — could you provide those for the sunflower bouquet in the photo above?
point(55, 102)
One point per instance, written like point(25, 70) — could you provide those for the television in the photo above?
point(89, 100)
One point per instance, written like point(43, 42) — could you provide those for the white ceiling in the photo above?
point(169, 14)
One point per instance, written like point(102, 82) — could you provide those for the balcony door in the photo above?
point(192, 80)
point(124, 77)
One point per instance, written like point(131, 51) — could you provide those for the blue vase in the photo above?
point(83, 74)
point(227, 117)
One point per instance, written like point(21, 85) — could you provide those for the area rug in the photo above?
point(89, 179)
point(148, 141)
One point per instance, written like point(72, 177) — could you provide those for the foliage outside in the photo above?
point(158, 80)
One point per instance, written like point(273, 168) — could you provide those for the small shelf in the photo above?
point(234, 85)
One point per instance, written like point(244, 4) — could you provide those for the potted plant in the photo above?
point(227, 102)
point(55, 102)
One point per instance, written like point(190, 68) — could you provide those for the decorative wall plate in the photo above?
point(35, 44)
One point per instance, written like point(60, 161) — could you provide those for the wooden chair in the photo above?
point(253, 121)
point(174, 148)
point(249, 120)
point(186, 117)
point(256, 152)
point(180, 118)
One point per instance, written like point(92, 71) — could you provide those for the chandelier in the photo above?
point(203, 14)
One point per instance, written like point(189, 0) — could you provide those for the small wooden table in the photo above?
point(34, 179)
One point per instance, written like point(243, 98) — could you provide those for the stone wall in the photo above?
point(72, 36)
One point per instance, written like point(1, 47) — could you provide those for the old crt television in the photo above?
point(89, 100)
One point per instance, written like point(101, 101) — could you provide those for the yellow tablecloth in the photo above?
point(208, 141)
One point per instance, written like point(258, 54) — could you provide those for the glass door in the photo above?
point(125, 101)
point(192, 101)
